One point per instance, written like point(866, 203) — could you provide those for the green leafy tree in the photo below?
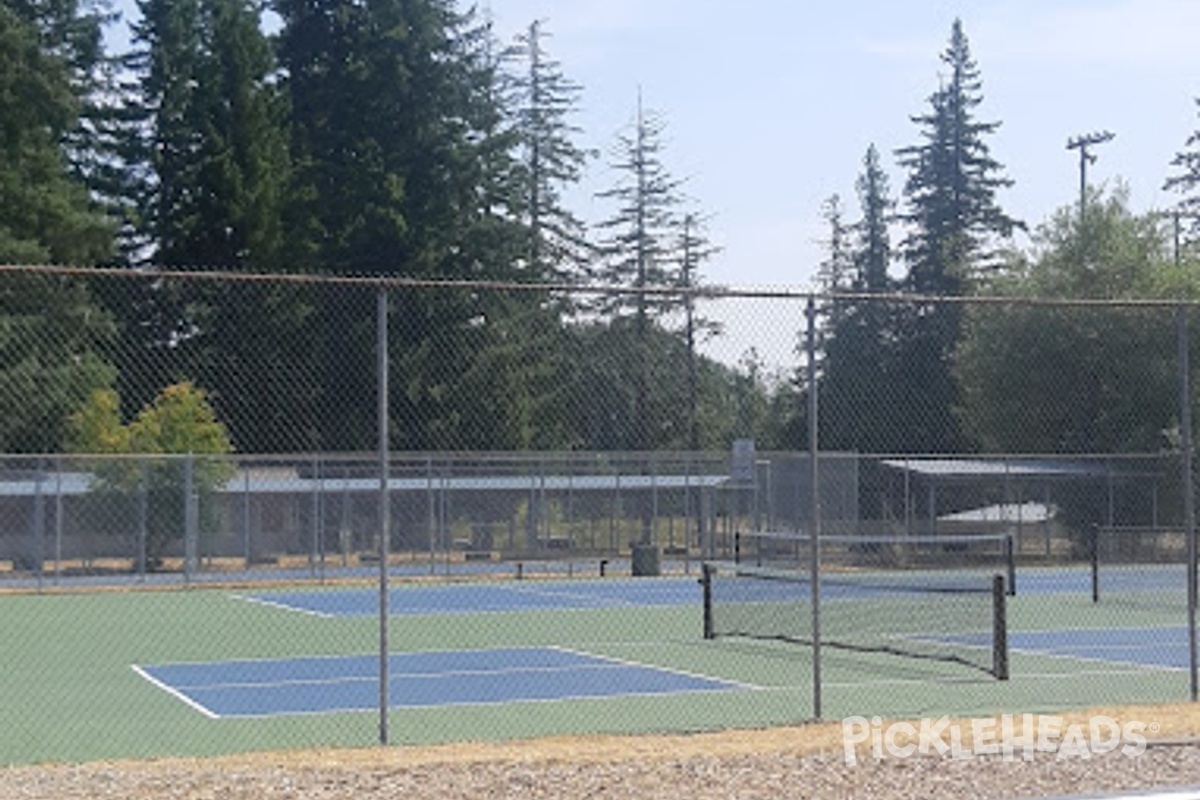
point(53, 341)
point(1077, 380)
point(180, 422)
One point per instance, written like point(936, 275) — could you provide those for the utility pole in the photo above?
point(1082, 143)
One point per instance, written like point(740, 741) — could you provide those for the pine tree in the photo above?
point(859, 343)
point(873, 251)
point(638, 252)
point(55, 337)
point(45, 212)
point(70, 31)
point(402, 167)
point(952, 182)
point(214, 163)
point(835, 272)
point(545, 100)
point(955, 221)
point(638, 249)
point(694, 249)
point(1186, 180)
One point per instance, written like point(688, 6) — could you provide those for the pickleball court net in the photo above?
point(944, 558)
point(915, 614)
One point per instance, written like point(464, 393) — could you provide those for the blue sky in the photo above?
point(770, 105)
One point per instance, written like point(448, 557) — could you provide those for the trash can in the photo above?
point(645, 560)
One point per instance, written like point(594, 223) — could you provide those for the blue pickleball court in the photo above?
point(273, 687)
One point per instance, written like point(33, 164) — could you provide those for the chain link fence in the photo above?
point(220, 433)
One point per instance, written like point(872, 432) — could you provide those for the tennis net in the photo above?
point(944, 559)
point(1146, 565)
point(954, 619)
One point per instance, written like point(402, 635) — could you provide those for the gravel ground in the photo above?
point(782, 763)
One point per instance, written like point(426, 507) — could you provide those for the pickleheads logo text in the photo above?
point(1011, 736)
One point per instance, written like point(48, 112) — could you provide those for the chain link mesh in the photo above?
point(216, 433)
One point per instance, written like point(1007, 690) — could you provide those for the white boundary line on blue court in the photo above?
point(1137, 666)
point(573, 698)
point(597, 602)
point(626, 662)
point(1028, 676)
point(246, 598)
point(178, 695)
point(452, 673)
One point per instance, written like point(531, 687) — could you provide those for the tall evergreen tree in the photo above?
point(955, 221)
point(545, 100)
point(952, 182)
point(54, 335)
point(1186, 180)
point(400, 158)
point(70, 31)
point(45, 212)
point(858, 372)
point(215, 166)
point(694, 248)
point(834, 272)
point(638, 252)
point(873, 251)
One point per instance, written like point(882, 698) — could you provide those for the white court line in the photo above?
point(282, 606)
point(594, 600)
point(1136, 665)
point(574, 698)
point(656, 667)
point(453, 673)
point(171, 690)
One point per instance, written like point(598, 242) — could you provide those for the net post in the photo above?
point(737, 547)
point(706, 575)
point(999, 628)
point(1095, 556)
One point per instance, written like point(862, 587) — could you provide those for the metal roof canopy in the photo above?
point(973, 468)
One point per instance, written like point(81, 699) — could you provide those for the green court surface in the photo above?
point(74, 687)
